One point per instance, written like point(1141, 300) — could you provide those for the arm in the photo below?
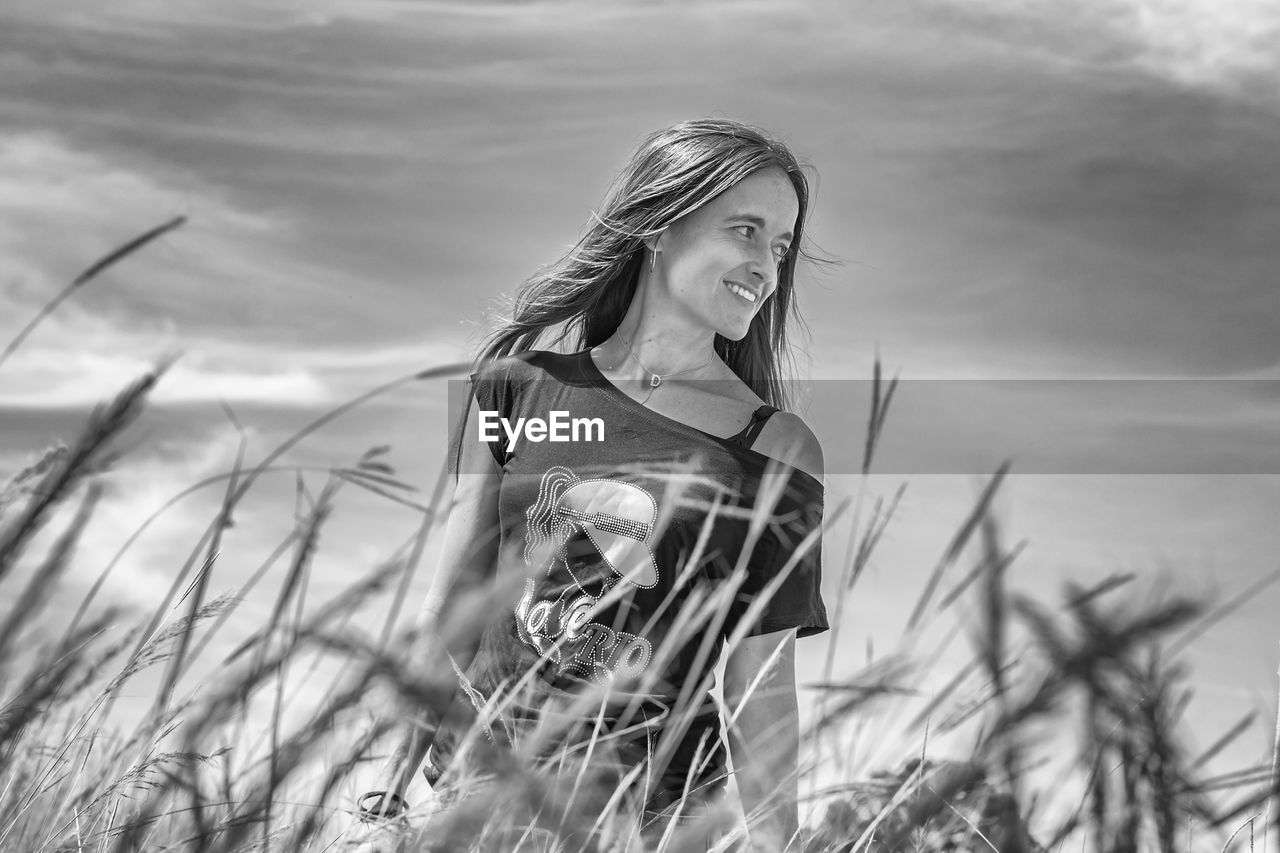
point(764, 738)
point(468, 558)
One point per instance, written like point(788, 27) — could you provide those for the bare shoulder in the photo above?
point(787, 437)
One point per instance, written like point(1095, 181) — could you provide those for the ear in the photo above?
point(651, 243)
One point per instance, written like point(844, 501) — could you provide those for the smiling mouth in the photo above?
point(741, 292)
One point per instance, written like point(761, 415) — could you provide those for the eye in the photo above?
point(745, 230)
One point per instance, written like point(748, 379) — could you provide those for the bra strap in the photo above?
point(759, 418)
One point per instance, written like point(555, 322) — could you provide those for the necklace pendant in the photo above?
point(655, 381)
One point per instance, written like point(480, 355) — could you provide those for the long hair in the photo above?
point(673, 173)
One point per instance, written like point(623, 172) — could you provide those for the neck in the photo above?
point(659, 339)
point(638, 353)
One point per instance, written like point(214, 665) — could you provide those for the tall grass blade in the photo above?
point(46, 576)
point(957, 543)
point(1270, 824)
point(97, 267)
point(105, 424)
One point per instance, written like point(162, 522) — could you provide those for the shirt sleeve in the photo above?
point(794, 528)
point(491, 389)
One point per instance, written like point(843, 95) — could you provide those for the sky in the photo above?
point(1021, 196)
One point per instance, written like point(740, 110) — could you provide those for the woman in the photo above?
point(623, 560)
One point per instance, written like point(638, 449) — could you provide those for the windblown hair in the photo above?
point(673, 173)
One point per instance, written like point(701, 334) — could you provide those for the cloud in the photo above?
point(1207, 43)
point(55, 375)
point(1225, 48)
point(249, 317)
point(81, 378)
point(64, 207)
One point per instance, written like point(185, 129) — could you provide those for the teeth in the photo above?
point(743, 292)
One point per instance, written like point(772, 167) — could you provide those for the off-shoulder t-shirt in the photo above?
point(621, 534)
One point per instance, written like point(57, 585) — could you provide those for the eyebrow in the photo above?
point(759, 223)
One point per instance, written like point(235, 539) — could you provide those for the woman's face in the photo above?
point(720, 263)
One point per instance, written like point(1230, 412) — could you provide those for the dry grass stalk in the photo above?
point(85, 457)
point(93, 271)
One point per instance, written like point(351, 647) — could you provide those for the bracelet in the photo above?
point(379, 811)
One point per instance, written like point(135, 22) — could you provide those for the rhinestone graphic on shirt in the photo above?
point(586, 536)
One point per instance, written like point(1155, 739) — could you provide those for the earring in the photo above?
point(653, 258)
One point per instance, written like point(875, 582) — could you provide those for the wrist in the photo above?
point(376, 806)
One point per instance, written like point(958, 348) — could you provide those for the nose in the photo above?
point(764, 270)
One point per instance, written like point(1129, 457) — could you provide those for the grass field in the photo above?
point(223, 769)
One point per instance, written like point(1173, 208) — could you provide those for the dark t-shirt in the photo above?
point(628, 539)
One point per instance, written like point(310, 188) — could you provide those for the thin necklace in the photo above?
point(655, 379)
